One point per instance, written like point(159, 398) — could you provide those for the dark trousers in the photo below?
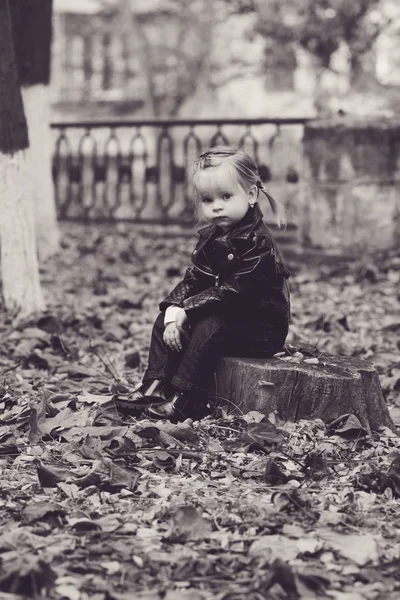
point(209, 337)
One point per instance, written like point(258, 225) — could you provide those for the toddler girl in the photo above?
point(233, 299)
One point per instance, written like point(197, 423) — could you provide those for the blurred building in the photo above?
point(96, 65)
point(92, 70)
point(96, 70)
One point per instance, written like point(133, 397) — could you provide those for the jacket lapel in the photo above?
point(243, 230)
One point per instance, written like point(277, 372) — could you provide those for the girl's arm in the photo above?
point(189, 285)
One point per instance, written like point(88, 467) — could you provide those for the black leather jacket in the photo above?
point(239, 274)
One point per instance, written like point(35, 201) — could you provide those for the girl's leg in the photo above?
point(162, 361)
point(155, 386)
point(193, 376)
point(200, 354)
point(212, 337)
point(254, 339)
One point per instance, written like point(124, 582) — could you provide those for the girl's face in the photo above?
point(222, 199)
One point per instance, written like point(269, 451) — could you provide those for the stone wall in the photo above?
point(350, 193)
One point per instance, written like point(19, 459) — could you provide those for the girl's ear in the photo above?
point(253, 194)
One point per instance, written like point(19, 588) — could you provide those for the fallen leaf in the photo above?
point(273, 474)
point(109, 475)
point(109, 523)
point(83, 524)
point(187, 523)
point(273, 547)
point(21, 537)
point(261, 434)
point(284, 575)
point(184, 595)
point(28, 576)
point(346, 425)
point(36, 418)
point(312, 583)
point(36, 511)
point(293, 530)
point(69, 592)
point(360, 548)
point(50, 476)
point(89, 398)
point(114, 595)
point(163, 460)
point(71, 490)
point(393, 476)
point(181, 431)
point(111, 566)
point(254, 416)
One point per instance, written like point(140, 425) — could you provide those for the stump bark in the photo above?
point(336, 385)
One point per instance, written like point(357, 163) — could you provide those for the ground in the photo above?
point(97, 505)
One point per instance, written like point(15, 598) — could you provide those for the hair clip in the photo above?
point(218, 151)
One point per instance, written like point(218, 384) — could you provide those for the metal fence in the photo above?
point(137, 169)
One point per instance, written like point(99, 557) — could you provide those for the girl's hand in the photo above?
point(172, 337)
point(181, 320)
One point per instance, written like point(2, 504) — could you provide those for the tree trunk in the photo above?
point(32, 40)
point(37, 110)
point(327, 389)
point(20, 273)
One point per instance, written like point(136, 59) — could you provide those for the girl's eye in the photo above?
point(226, 196)
point(206, 200)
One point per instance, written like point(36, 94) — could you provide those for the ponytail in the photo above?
point(277, 207)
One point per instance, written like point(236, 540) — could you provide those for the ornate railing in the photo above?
point(137, 169)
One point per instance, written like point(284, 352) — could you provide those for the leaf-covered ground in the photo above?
point(98, 505)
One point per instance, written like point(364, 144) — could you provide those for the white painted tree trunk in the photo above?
point(37, 111)
point(19, 266)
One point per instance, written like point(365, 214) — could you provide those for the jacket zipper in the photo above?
point(216, 277)
point(203, 271)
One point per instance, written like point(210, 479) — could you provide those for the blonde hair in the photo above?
point(246, 172)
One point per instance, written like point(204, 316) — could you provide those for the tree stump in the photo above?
point(325, 388)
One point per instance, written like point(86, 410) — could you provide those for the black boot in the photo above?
point(157, 389)
point(148, 393)
point(181, 406)
point(151, 391)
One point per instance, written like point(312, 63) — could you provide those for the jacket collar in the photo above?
point(243, 229)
